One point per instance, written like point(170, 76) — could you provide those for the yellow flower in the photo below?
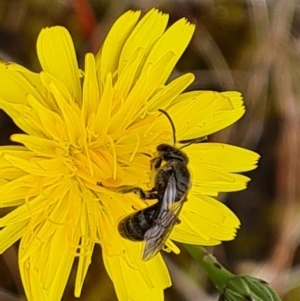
point(82, 127)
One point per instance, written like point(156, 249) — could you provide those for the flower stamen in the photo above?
point(113, 148)
point(86, 148)
point(136, 148)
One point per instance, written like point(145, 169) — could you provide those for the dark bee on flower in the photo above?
point(171, 186)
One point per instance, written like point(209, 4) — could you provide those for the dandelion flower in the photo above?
point(82, 127)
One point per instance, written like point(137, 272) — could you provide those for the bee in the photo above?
point(171, 186)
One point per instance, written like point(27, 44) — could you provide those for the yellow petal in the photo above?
point(57, 56)
point(168, 93)
point(107, 58)
point(123, 275)
point(174, 41)
point(209, 181)
point(30, 108)
point(68, 110)
point(222, 157)
point(46, 270)
point(90, 88)
point(203, 113)
point(127, 78)
point(103, 112)
point(138, 96)
point(205, 221)
point(163, 56)
point(18, 190)
point(144, 35)
point(40, 167)
point(24, 117)
point(17, 82)
point(39, 146)
point(9, 172)
point(48, 121)
point(85, 255)
point(12, 233)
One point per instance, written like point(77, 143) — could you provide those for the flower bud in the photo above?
point(247, 288)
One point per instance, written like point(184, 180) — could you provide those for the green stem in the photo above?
point(216, 272)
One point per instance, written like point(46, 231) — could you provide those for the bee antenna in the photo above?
point(192, 141)
point(188, 144)
point(172, 124)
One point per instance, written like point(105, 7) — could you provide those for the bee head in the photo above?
point(168, 152)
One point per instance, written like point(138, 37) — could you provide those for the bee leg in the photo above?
point(120, 189)
point(155, 163)
point(146, 195)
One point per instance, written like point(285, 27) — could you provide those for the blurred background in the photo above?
point(252, 46)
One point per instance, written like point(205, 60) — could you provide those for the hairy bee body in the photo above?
point(155, 223)
point(179, 170)
point(135, 226)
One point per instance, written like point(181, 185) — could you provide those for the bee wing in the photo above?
point(157, 235)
